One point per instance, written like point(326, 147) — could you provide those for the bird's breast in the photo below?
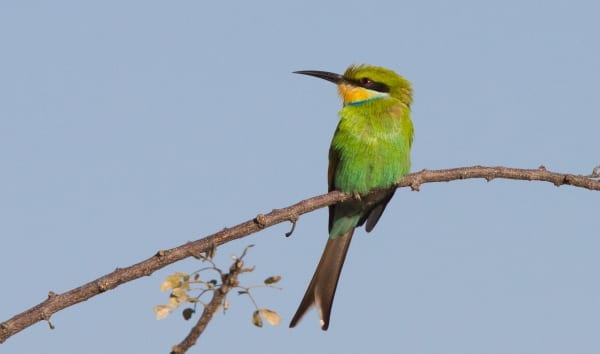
point(373, 152)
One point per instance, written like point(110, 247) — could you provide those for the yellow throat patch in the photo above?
point(352, 94)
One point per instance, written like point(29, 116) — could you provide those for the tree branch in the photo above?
point(56, 302)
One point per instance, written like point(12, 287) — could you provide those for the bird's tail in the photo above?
point(321, 289)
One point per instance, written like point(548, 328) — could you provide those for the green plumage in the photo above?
point(371, 146)
point(370, 150)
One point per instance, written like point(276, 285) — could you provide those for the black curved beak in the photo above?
point(325, 75)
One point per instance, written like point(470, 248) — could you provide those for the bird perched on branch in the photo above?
point(370, 150)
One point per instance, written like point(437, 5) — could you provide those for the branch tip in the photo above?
point(246, 251)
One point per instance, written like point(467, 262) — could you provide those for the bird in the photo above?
point(370, 150)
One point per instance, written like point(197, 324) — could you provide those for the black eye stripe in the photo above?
point(371, 85)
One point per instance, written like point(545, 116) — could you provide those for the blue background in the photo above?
point(129, 127)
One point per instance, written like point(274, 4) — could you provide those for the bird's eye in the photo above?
point(366, 81)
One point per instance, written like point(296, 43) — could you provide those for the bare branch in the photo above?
point(56, 302)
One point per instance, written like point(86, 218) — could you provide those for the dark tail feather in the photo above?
point(321, 289)
point(375, 213)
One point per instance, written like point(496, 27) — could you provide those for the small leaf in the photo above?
point(256, 320)
point(271, 316)
point(187, 313)
point(172, 303)
point(161, 311)
point(273, 279)
point(174, 281)
point(166, 285)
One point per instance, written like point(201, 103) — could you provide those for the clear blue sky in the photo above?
point(129, 127)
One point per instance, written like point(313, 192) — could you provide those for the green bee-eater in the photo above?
point(370, 150)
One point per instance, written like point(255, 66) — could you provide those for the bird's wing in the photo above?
point(334, 157)
point(375, 213)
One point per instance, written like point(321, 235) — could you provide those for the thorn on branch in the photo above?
point(46, 318)
point(293, 220)
point(415, 186)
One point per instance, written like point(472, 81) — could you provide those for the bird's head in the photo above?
point(363, 83)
